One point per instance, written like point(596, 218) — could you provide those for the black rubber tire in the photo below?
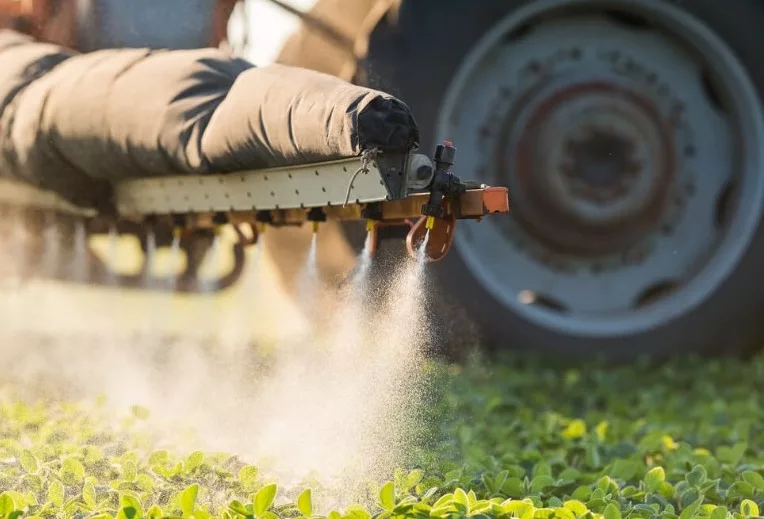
point(414, 57)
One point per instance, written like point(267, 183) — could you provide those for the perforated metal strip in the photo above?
point(315, 185)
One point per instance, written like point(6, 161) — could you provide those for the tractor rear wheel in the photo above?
point(629, 134)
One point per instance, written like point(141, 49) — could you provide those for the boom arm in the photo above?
point(387, 189)
point(408, 190)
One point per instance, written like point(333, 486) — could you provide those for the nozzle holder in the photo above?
point(316, 214)
point(264, 217)
point(220, 219)
point(444, 183)
point(179, 221)
point(372, 211)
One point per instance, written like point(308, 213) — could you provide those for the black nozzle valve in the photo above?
point(264, 217)
point(372, 211)
point(316, 214)
point(445, 153)
point(179, 221)
point(444, 183)
point(220, 218)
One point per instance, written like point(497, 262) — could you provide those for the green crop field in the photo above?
point(506, 439)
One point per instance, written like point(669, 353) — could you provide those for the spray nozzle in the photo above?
point(263, 218)
point(444, 183)
point(219, 220)
point(316, 215)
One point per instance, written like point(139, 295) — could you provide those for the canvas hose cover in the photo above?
point(73, 122)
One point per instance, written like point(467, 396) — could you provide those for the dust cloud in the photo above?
point(322, 387)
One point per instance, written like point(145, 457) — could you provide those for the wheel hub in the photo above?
point(591, 163)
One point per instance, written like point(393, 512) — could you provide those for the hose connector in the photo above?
point(444, 183)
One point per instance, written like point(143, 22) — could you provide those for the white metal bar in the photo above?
point(312, 185)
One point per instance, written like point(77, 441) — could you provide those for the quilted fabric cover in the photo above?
point(74, 122)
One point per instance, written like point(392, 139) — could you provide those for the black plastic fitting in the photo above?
point(444, 183)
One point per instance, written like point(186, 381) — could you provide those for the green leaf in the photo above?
point(89, 494)
point(357, 512)
point(542, 468)
point(624, 469)
point(264, 499)
point(387, 496)
point(562, 513)
point(305, 503)
point(248, 477)
point(155, 512)
point(19, 500)
point(732, 455)
point(145, 482)
point(129, 470)
point(128, 502)
point(6, 504)
point(513, 487)
point(749, 509)
point(740, 489)
point(754, 478)
point(654, 478)
point(612, 511)
point(720, 512)
point(188, 499)
point(697, 476)
point(194, 461)
point(577, 507)
point(414, 478)
point(582, 493)
point(691, 509)
point(72, 471)
point(28, 461)
point(238, 508)
point(159, 458)
point(56, 493)
point(539, 483)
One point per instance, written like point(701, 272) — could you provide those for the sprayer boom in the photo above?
point(409, 190)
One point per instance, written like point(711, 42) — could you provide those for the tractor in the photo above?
point(627, 132)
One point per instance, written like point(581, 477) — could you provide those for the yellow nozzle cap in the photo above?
point(176, 232)
point(315, 227)
point(430, 223)
point(370, 225)
point(218, 230)
point(261, 227)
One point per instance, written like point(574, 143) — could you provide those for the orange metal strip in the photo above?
point(473, 204)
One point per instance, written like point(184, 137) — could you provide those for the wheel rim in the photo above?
point(629, 141)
